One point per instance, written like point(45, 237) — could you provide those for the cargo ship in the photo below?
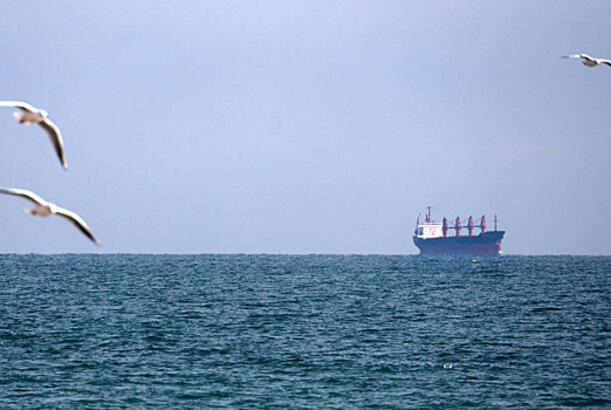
point(432, 237)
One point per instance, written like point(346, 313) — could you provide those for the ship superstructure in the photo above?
point(432, 238)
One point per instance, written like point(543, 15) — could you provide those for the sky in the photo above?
point(307, 126)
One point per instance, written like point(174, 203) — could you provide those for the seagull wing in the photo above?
point(572, 56)
point(56, 139)
point(603, 61)
point(78, 222)
point(19, 104)
point(587, 57)
point(29, 195)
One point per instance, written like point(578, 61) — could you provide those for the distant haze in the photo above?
point(307, 126)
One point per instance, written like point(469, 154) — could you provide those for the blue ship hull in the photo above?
point(487, 243)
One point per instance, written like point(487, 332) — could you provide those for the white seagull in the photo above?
point(589, 61)
point(41, 117)
point(44, 208)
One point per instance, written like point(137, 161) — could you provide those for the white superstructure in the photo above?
point(429, 229)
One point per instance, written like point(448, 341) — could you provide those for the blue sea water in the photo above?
point(311, 331)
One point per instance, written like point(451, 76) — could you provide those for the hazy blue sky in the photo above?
point(307, 126)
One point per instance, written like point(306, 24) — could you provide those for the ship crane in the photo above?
point(457, 226)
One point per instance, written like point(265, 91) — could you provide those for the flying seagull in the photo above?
point(589, 61)
point(30, 115)
point(44, 208)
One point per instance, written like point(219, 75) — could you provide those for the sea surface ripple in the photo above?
point(310, 331)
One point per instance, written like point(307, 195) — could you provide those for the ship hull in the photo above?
point(487, 243)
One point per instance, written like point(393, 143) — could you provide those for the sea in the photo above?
point(304, 331)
